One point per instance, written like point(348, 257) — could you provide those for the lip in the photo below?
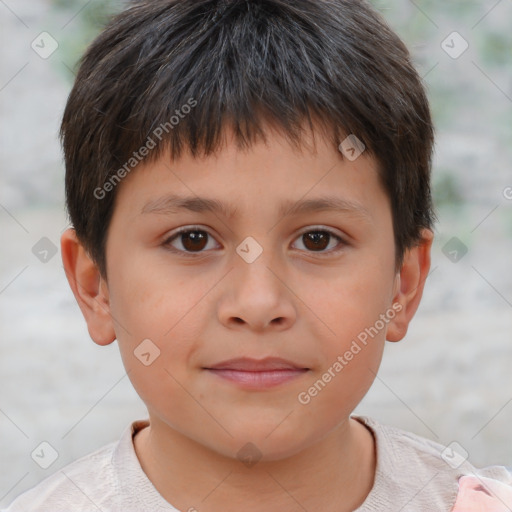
point(257, 373)
point(246, 364)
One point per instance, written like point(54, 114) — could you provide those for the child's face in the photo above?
point(292, 302)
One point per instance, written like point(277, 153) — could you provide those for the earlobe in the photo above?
point(409, 285)
point(89, 288)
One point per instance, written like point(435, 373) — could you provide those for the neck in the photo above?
point(335, 474)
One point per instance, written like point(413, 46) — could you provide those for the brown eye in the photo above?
point(189, 241)
point(194, 240)
point(319, 240)
point(316, 240)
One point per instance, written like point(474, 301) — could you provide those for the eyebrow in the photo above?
point(172, 204)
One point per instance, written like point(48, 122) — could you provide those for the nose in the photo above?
point(257, 297)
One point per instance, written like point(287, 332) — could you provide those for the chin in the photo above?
point(259, 445)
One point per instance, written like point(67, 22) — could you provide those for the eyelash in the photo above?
point(176, 235)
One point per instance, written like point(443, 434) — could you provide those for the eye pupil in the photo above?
point(194, 240)
point(320, 240)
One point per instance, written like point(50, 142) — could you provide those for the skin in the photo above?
point(294, 301)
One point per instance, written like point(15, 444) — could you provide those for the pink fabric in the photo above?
point(480, 494)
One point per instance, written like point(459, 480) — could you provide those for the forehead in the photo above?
point(293, 180)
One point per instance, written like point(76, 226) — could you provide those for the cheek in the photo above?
point(153, 298)
point(157, 343)
point(350, 358)
point(351, 334)
point(155, 305)
point(350, 301)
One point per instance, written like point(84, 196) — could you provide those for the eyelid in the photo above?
point(315, 227)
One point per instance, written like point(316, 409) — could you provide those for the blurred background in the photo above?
point(449, 380)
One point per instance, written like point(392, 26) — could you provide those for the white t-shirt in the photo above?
point(413, 474)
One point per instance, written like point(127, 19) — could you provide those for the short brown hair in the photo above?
point(244, 63)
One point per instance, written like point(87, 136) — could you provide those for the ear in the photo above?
point(409, 285)
point(89, 288)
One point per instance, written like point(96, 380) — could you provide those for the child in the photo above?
point(249, 187)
